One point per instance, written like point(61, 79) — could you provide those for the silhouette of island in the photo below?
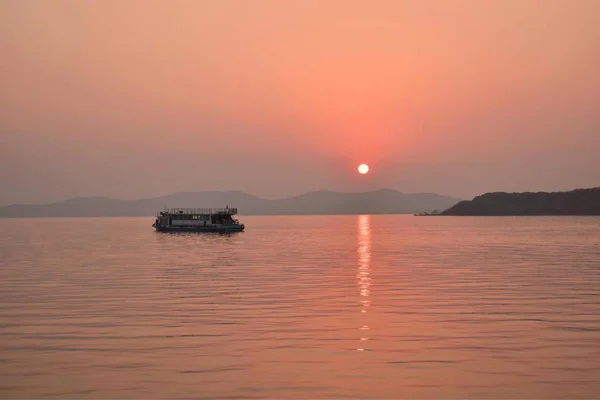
point(385, 201)
point(575, 202)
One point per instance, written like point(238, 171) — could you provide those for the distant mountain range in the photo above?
point(575, 202)
point(385, 201)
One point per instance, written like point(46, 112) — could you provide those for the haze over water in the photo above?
point(303, 307)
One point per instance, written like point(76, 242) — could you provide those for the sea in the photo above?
point(304, 307)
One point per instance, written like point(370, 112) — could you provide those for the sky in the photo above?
point(132, 99)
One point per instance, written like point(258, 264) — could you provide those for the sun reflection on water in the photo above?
point(364, 270)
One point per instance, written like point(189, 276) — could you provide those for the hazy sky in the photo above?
point(134, 99)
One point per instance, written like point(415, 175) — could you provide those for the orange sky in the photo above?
point(142, 98)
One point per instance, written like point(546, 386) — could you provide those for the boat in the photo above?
point(217, 220)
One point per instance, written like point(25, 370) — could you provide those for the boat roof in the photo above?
point(200, 211)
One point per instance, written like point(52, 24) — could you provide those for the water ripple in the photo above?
point(302, 307)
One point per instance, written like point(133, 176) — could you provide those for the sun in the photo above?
point(363, 168)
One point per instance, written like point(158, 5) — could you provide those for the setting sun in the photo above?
point(363, 168)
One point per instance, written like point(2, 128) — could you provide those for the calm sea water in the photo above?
point(302, 307)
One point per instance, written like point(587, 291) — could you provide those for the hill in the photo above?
point(384, 201)
point(575, 202)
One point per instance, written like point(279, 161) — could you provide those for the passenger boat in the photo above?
point(218, 220)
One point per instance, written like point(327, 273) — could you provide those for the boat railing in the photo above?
point(201, 211)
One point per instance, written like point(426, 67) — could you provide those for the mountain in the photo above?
point(575, 202)
point(384, 201)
